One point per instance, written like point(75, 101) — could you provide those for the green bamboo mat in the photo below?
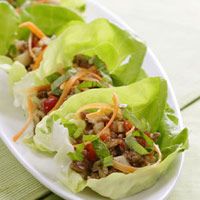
point(15, 182)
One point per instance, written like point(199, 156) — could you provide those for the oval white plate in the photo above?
point(12, 119)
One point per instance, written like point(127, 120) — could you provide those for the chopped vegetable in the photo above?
point(59, 81)
point(142, 124)
point(127, 125)
point(136, 133)
point(89, 84)
point(108, 161)
point(100, 149)
point(91, 153)
point(51, 78)
point(75, 127)
point(49, 103)
point(134, 145)
point(77, 155)
point(89, 138)
point(101, 66)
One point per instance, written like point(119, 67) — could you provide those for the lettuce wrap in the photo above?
point(49, 18)
point(122, 53)
point(119, 54)
point(146, 99)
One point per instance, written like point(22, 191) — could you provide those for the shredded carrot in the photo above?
point(18, 10)
point(38, 60)
point(96, 76)
point(157, 149)
point(115, 111)
point(31, 108)
point(123, 168)
point(130, 169)
point(91, 73)
point(94, 106)
point(38, 88)
point(87, 78)
point(30, 46)
point(131, 130)
point(33, 28)
point(67, 87)
point(99, 113)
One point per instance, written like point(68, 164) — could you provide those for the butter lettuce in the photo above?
point(8, 26)
point(147, 100)
point(76, 5)
point(122, 53)
point(16, 71)
point(49, 18)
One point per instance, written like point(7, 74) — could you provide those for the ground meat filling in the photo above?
point(114, 138)
point(46, 98)
point(20, 51)
point(82, 61)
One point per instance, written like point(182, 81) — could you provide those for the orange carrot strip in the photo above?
point(31, 108)
point(38, 88)
point(33, 28)
point(38, 60)
point(96, 76)
point(115, 111)
point(123, 168)
point(94, 106)
point(91, 73)
point(18, 10)
point(131, 130)
point(67, 87)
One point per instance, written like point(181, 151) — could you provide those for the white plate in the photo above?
point(12, 119)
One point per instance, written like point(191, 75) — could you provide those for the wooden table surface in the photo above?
point(171, 28)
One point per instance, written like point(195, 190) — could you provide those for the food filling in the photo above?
point(30, 52)
point(106, 140)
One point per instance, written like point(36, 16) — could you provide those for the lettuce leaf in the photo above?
point(75, 5)
point(122, 53)
point(49, 18)
point(16, 71)
point(5, 60)
point(9, 23)
point(27, 81)
point(171, 139)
